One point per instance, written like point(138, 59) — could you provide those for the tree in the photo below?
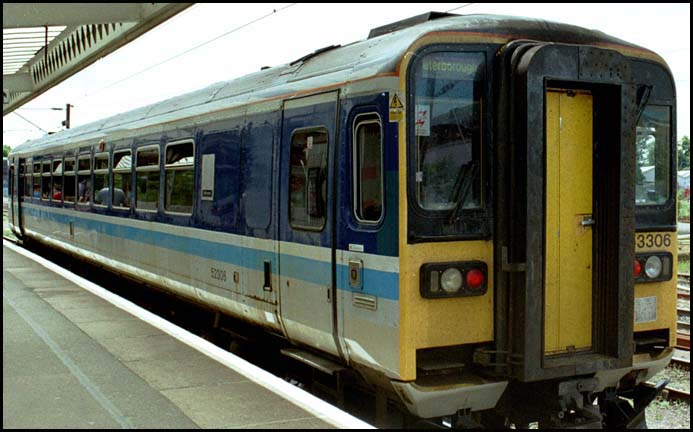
point(684, 150)
point(5, 150)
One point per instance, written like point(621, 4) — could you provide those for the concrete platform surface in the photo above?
point(72, 360)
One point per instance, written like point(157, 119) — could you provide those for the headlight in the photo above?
point(653, 267)
point(451, 280)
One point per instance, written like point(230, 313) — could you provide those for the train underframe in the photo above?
point(475, 397)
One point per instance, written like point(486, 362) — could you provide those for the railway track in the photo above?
point(683, 332)
point(674, 394)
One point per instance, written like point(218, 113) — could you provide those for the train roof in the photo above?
point(380, 54)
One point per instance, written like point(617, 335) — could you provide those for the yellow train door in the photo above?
point(568, 259)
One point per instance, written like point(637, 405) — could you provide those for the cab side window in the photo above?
point(367, 153)
point(653, 158)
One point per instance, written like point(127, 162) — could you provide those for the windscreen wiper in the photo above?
point(463, 185)
point(644, 95)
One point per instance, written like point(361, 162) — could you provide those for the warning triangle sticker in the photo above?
point(396, 103)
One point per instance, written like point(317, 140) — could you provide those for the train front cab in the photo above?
point(518, 239)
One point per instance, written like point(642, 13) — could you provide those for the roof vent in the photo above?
point(313, 54)
point(409, 22)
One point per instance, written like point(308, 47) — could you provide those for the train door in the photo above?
point(566, 218)
point(306, 230)
point(568, 263)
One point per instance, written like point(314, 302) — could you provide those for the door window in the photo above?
point(368, 169)
point(308, 178)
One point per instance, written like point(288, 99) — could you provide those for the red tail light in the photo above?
point(637, 268)
point(474, 278)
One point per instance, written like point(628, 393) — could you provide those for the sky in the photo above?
point(161, 64)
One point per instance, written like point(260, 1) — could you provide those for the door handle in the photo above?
point(268, 276)
point(588, 221)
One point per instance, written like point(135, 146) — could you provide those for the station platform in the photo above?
point(75, 359)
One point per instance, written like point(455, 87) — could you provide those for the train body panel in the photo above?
point(655, 300)
point(430, 207)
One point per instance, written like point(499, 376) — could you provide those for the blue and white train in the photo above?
point(393, 206)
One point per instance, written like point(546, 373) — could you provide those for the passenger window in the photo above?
point(122, 179)
point(102, 191)
point(57, 194)
point(36, 189)
point(368, 168)
point(27, 178)
point(46, 180)
point(180, 177)
point(84, 180)
point(308, 179)
point(69, 181)
point(148, 176)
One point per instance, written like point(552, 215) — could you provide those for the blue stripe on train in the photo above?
point(378, 283)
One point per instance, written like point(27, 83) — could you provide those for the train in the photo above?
point(473, 214)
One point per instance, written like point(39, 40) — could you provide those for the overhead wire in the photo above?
point(459, 7)
point(251, 22)
point(29, 121)
point(274, 11)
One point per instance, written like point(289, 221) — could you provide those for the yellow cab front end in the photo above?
point(536, 268)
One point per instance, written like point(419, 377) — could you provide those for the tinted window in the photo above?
point(308, 178)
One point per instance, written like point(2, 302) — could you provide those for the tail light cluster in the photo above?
point(653, 267)
point(455, 279)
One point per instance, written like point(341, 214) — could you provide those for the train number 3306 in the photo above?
point(653, 240)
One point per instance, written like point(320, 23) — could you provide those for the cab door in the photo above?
point(306, 202)
point(569, 222)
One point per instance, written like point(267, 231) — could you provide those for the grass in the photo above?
point(684, 210)
point(684, 207)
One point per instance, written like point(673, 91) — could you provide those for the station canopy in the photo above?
point(46, 43)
